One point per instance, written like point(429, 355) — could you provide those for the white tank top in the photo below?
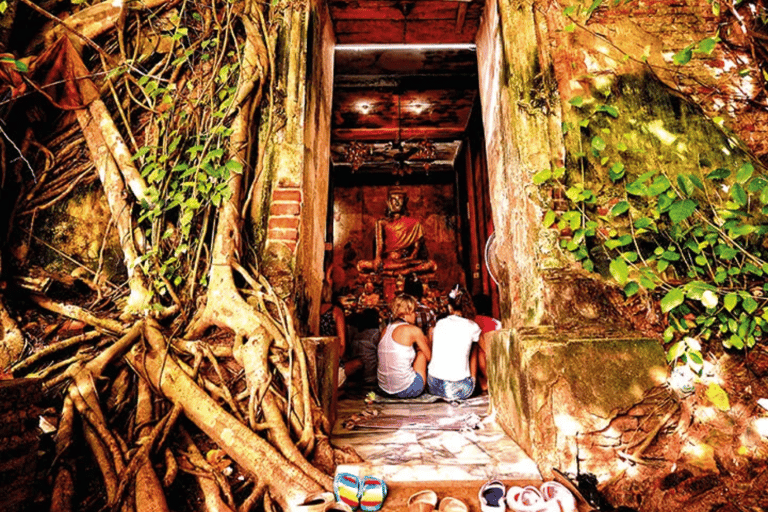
point(395, 370)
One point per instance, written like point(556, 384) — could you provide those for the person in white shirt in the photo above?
point(402, 369)
point(452, 370)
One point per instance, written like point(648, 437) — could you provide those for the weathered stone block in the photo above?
point(548, 388)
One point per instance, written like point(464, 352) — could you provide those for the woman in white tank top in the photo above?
point(402, 369)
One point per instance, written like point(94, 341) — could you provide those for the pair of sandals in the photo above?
point(368, 492)
point(426, 501)
point(550, 497)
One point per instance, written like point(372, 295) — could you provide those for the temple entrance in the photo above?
point(417, 146)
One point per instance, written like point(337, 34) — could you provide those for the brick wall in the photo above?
point(284, 216)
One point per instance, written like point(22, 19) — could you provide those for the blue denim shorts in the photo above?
point(451, 389)
point(415, 389)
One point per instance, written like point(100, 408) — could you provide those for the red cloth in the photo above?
point(487, 324)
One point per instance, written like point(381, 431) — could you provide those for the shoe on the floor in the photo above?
point(373, 492)
point(491, 496)
point(525, 499)
point(346, 489)
point(317, 502)
point(555, 492)
point(452, 505)
point(423, 501)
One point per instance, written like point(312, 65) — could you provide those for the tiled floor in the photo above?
point(413, 440)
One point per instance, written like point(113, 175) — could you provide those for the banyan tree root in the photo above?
point(254, 455)
point(11, 339)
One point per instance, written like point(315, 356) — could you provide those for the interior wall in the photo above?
point(355, 211)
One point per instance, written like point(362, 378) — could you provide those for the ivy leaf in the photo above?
point(619, 270)
point(598, 144)
point(608, 109)
point(685, 184)
point(749, 304)
point(738, 194)
point(616, 172)
point(696, 181)
point(549, 218)
point(719, 174)
point(681, 210)
point(707, 45)
point(745, 172)
point(672, 299)
point(620, 208)
point(631, 288)
point(730, 301)
point(542, 176)
point(682, 57)
point(659, 185)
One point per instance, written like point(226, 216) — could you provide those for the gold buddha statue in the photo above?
point(399, 240)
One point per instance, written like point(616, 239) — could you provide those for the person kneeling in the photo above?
point(452, 370)
point(402, 370)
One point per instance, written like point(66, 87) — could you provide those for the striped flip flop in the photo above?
point(346, 488)
point(373, 494)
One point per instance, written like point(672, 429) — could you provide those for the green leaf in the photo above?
point(696, 181)
point(659, 185)
point(598, 144)
point(685, 184)
point(611, 111)
point(738, 194)
point(682, 57)
point(542, 176)
point(675, 351)
point(595, 5)
point(744, 172)
point(643, 223)
point(672, 299)
point(707, 45)
point(718, 397)
point(619, 208)
point(576, 101)
point(730, 301)
point(749, 304)
point(681, 210)
point(616, 171)
point(719, 174)
point(570, 27)
point(631, 288)
point(549, 218)
point(619, 270)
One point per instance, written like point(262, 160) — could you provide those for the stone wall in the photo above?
point(643, 36)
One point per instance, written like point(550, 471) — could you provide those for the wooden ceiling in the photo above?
point(405, 72)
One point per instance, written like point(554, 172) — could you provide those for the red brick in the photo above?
point(285, 208)
point(284, 236)
point(283, 223)
point(286, 194)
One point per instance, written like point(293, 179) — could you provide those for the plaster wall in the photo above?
point(290, 207)
point(520, 113)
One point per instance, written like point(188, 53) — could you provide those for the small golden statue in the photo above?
point(399, 239)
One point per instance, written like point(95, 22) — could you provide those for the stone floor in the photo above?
point(427, 439)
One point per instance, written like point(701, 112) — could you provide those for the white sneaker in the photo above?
point(557, 493)
point(491, 496)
